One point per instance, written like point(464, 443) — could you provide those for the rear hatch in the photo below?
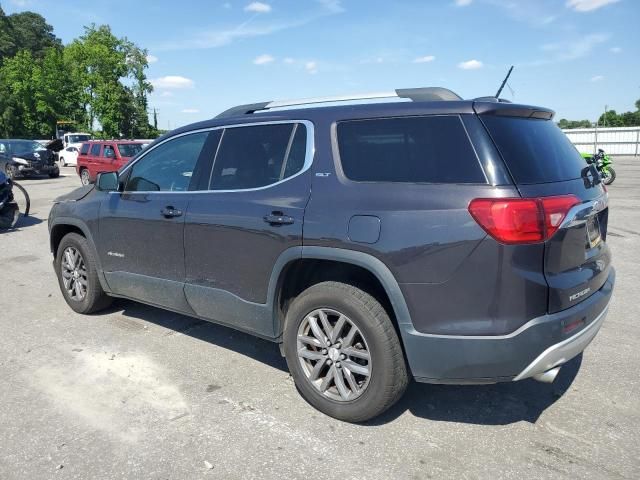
point(543, 163)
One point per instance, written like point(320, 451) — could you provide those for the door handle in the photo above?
point(278, 218)
point(170, 212)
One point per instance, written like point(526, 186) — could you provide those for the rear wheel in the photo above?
point(343, 352)
point(608, 180)
point(62, 162)
point(84, 177)
point(78, 275)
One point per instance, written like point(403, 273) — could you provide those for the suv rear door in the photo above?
point(543, 162)
point(251, 212)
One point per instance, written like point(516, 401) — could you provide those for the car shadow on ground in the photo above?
point(498, 404)
point(23, 222)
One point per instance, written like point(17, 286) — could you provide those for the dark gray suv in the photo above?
point(446, 240)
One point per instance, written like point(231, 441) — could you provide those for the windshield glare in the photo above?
point(25, 147)
point(79, 138)
point(129, 149)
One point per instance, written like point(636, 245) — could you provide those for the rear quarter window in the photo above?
point(535, 150)
point(430, 149)
point(84, 149)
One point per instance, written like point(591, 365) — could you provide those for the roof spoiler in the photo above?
point(426, 94)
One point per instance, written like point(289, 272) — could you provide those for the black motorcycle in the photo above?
point(9, 208)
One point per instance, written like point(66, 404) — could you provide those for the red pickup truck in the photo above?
point(104, 156)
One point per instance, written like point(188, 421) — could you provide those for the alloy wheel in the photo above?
point(74, 274)
point(84, 177)
point(334, 355)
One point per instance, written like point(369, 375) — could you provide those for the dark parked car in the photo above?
point(26, 157)
point(438, 239)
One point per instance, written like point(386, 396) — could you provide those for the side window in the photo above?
point(3, 148)
point(95, 149)
point(108, 151)
point(257, 156)
point(433, 149)
point(84, 149)
point(168, 167)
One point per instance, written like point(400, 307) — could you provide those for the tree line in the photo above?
point(97, 81)
point(609, 119)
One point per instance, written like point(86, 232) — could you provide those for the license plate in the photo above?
point(593, 232)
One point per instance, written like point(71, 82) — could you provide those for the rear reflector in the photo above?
point(521, 220)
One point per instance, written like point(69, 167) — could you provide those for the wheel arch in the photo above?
point(62, 226)
point(285, 275)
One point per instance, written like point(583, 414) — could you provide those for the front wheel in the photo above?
point(55, 173)
point(610, 177)
point(343, 352)
point(78, 275)
point(11, 171)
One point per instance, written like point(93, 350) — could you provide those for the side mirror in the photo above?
point(107, 182)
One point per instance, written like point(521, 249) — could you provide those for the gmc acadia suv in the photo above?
point(446, 240)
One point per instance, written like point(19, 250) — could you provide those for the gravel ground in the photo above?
point(137, 392)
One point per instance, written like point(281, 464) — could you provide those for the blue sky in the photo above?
point(575, 56)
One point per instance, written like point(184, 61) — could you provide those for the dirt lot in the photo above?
point(137, 392)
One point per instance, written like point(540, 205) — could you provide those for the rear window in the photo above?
point(95, 149)
point(535, 151)
point(432, 149)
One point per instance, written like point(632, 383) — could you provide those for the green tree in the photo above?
point(26, 31)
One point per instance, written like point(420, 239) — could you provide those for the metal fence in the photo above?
point(614, 141)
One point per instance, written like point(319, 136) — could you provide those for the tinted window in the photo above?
point(84, 149)
point(251, 157)
point(95, 149)
point(168, 167)
point(432, 149)
point(536, 151)
point(27, 146)
point(129, 149)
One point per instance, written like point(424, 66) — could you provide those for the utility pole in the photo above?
point(155, 119)
point(605, 116)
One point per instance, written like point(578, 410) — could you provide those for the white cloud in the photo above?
point(263, 59)
point(311, 67)
point(588, 5)
point(288, 60)
point(333, 6)
point(615, 49)
point(470, 65)
point(172, 82)
point(190, 110)
point(166, 93)
point(152, 59)
point(425, 59)
point(597, 78)
point(20, 3)
point(258, 7)
point(463, 3)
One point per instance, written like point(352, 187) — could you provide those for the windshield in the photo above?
point(129, 149)
point(25, 147)
point(79, 138)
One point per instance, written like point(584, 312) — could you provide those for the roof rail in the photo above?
point(427, 94)
point(491, 99)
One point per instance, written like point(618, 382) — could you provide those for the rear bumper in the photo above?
point(539, 345)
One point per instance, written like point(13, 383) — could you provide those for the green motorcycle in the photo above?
point(603, 164)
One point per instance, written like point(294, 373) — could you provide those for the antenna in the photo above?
point(504, 82)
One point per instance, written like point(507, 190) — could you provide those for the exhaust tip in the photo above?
point(547, 377)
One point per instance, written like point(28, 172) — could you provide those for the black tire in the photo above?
point(55, 173)
point(388, 375)
point(612, 176)
point(62, 162)
point(95, 298)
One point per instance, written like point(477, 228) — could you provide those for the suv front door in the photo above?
point(252, 212)
point(141, 228)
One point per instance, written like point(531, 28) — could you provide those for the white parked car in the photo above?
point(68, 156)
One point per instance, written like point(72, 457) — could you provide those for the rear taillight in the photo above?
point(521, 220)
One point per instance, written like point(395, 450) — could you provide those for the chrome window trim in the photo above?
point(308, 160)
